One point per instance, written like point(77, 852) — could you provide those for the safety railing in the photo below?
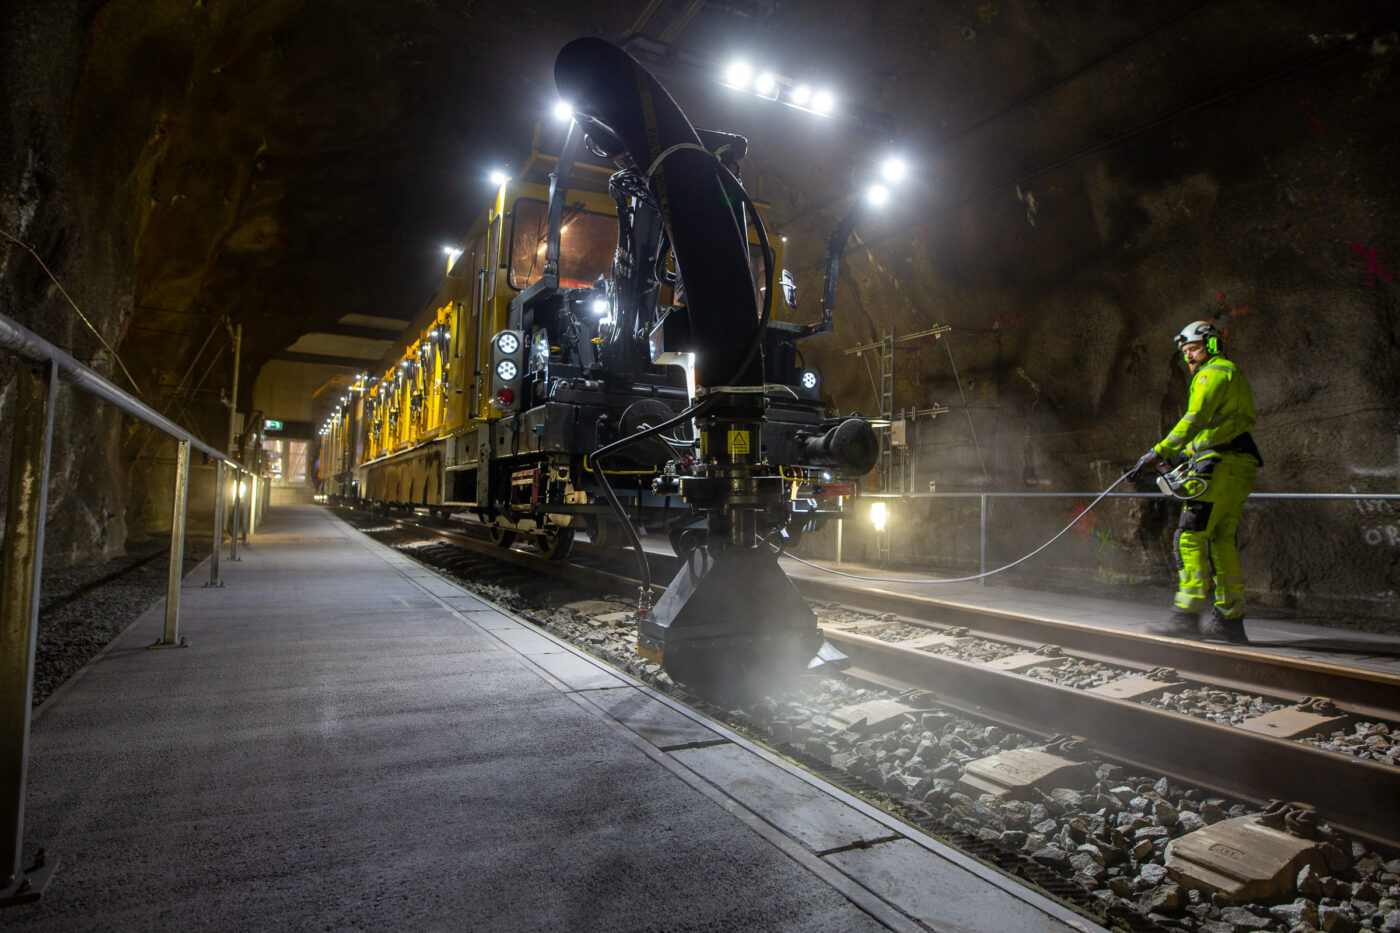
point(985, 499)
point(36, 388)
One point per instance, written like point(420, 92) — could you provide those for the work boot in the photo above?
point(1180, 624)
point(1219, 628)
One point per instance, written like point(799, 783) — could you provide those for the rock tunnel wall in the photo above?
point(1271, 207)
point(1064, 240)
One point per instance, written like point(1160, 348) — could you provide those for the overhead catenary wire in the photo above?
point(64, 292)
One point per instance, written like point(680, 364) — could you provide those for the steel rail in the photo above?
point(1354, 795)
point(591, 577)
point(1219, 758)
point(1370, 694)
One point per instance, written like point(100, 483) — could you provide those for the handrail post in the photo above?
point(252, 507)
point(982, 556)
point(170, 638)
point(218, 524)
point(23, 559)
point(237, 513)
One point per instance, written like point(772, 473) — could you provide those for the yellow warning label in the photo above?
point(738, 442)
point(704, 443)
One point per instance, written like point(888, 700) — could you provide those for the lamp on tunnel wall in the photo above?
point(877, 515)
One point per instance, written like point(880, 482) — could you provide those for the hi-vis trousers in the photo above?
point(1207, 558)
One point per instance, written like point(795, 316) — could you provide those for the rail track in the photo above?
point(1195, 735)
point(1252, 735)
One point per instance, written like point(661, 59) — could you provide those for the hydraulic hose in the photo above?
point(596, 466)
point(979, 576)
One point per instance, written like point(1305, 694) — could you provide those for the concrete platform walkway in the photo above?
point(351, 742)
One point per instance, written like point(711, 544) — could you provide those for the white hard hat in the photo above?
point(1200, 332)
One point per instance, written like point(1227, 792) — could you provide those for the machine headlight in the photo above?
point(508, 343)
point(810, 379)
point(506, 370)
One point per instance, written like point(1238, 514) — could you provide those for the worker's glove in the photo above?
point(1143, 461)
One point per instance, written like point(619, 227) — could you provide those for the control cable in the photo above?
point(596, 465)
point(979, 576)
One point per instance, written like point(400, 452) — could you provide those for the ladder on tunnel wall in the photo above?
point(885, 466)
point(882, 538)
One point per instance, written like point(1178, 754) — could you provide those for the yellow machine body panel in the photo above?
point(435, 382)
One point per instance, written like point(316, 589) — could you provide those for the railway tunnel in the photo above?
point(293, 236)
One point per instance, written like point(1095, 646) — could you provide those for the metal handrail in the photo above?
point(28, 345)
point(1115, 495)
point(983, 498)
point(21, 564)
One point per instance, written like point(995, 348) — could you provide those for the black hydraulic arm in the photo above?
point(615, 97)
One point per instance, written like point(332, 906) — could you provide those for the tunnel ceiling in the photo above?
point(295, 166)
point(285, 164)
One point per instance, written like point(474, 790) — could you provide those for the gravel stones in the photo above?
point(1299, 911)
point(83, 608)
point(1107, 835)
point(1241, 918)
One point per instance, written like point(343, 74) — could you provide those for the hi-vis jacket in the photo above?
point(1220, 409)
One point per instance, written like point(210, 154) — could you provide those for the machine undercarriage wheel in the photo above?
point(501, 536)
point(607, 533)
point(555, 545)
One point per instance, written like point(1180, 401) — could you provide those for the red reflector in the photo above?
point(506, 396)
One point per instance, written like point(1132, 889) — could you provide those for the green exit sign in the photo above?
point(272, 425)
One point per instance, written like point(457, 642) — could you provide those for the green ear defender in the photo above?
point(1203, 332)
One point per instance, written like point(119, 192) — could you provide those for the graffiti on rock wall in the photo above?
point(1380, 526)
point(1316, 123)
point(1115, 578)
point(1105, 541)
point(1377, 262)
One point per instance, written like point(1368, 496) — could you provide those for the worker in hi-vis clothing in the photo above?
point(1214, 435)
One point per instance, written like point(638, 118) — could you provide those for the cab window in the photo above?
point(586, 245)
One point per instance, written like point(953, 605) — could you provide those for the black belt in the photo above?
point(1241, 444)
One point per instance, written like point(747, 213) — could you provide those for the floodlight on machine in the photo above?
point(562, 111)
point(738, 75)
point(506, 370)
point(894, 170)
point(499, 178)
point(823, 102)
point(877, 194)
point(508, 342)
